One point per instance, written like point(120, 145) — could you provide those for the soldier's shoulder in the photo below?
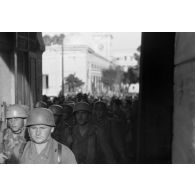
point(64, 147)
point(67, 155)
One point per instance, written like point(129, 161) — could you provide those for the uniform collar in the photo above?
point(45, 152)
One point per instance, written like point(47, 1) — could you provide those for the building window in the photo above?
point(45, 81)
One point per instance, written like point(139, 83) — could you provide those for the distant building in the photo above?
point(85, 55)
point(80, 60)
point(124, 58)
point(100, 42)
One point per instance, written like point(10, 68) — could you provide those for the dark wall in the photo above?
point(29, 56)
point(21, 67)
point(156, 98)
point(7, 41)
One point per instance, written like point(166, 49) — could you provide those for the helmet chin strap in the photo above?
point(17, 132)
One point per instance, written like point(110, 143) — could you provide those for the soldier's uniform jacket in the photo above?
point(62, 133)
point(105, 125)
point(51, 154)
point(12, 145)
point(91, 147)
point(110, 129)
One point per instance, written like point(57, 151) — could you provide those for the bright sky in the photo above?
point(126, 40)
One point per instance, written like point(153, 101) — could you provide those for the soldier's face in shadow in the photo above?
point(82, 117)
point(67, 113)
point(100, 111)
point(15, 124)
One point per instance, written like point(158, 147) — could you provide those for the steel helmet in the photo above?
point(99, 102)
point(82, 106)
point(40, 116)
point(15, 111)
point(67, 108)
point(41, 104)
point(70, 103)
point(56, 109)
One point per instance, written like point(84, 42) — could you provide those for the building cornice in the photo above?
point(84, 48)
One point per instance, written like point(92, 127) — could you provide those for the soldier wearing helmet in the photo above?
point(120, 130)
point(89, 146)
point(62, 129)
point(67, 112)
point(57, 112)
point(42, 148)
point(41, 104)
point(111, 131)
point(100, 110)
point(13, 137)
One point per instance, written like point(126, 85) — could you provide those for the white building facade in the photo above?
point(79, 60)
point(85, 55)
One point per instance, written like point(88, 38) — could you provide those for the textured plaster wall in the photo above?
point(183, 148)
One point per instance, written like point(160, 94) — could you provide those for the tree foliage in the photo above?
point(137, 55)
point(73, 82)
point(132, 74)
point(112, 76)
point(53, 40)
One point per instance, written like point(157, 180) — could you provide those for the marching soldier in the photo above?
point(57, 112)
point(42, 148)
point(62, 132)
point(13, 138)
point(109, 127)
point(120, 128)
point(67, 113)
point(89, 145)
point(41, 104)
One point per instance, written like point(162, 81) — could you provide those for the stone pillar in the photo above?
point(156, 98)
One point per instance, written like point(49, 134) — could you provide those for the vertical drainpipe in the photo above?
point(16, 68)
point(63, 67)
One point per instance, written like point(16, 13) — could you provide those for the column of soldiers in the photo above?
point(71, 130)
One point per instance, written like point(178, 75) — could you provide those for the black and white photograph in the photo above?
point(71, 98)
point(97, 97)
